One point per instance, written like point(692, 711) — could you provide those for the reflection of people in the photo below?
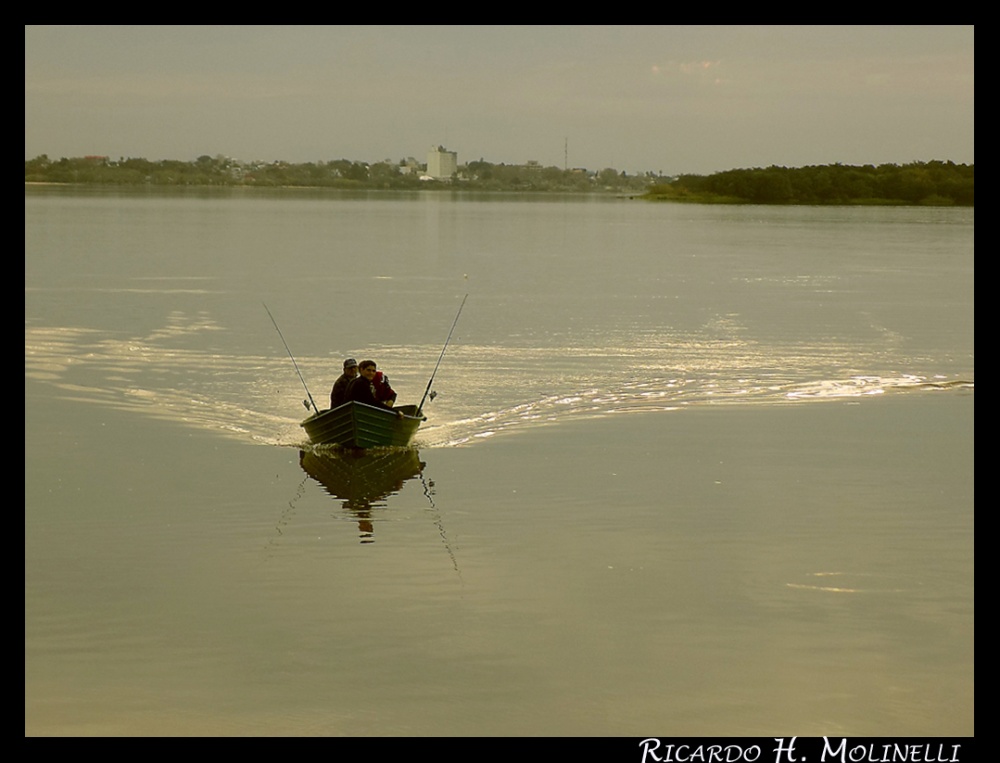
point(363, 480)
point(362, 389)
point(338, 396)
point(385, 394)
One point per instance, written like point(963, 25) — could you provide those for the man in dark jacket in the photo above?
point(361, 389)
point(338, 395)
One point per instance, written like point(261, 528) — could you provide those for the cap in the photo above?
point(350, 363)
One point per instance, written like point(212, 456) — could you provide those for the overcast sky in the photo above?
point(668, 99)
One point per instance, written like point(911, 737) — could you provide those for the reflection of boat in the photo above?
point(356, 425)
point(362, 477)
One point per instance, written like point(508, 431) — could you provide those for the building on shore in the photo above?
point(441, 163)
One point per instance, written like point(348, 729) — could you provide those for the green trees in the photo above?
point(938, 183)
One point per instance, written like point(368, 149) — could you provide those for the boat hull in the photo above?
point(356, 425)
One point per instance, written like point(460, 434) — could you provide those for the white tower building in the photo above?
point(441, 164)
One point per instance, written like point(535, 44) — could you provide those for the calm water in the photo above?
point(691, 469)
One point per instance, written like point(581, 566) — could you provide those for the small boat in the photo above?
point(357, 425)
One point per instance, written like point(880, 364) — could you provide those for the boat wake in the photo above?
point(665, 394)
point(484, 391)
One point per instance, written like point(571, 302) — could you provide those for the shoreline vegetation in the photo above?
point(933, 183)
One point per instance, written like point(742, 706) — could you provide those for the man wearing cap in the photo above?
point(338, 396)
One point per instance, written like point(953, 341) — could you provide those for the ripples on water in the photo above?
point(484, 390)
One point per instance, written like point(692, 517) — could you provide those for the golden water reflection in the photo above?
point(168, 373)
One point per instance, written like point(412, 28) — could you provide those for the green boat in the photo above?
point(356, 425)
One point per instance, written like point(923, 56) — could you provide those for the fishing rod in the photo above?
point(293, 361)
point(420, 407)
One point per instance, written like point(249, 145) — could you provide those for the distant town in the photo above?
point(937, 183)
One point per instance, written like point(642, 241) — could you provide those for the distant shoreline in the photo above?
point(935, 183)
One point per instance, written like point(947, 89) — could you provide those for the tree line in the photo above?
point(933, 183)
point(337, 173)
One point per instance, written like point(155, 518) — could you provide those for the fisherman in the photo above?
point(338, 396)
point(362, 389)
point(365, 390)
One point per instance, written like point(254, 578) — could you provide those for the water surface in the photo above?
point(691, 470)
